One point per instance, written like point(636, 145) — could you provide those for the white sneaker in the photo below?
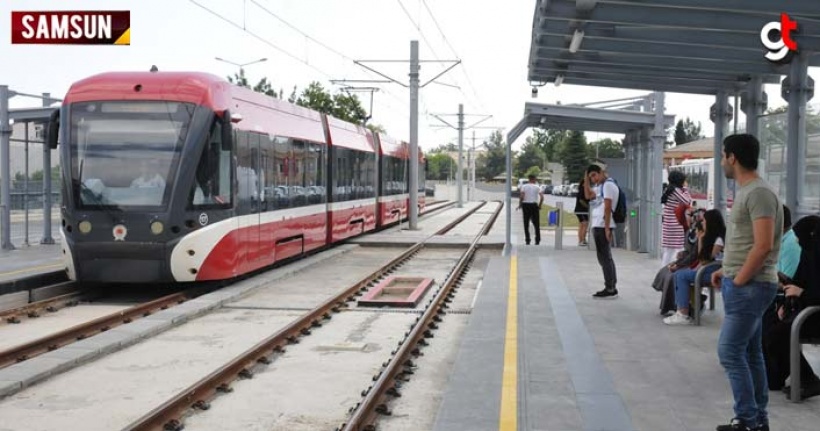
point(678, 319)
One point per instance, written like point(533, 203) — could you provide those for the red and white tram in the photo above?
point(173, 176)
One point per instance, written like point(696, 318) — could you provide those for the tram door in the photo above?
point(250, 196)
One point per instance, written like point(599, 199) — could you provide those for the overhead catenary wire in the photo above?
point(453, 50)
point(289, 54)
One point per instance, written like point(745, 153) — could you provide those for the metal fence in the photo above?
point(773, 139)
point(29, 192)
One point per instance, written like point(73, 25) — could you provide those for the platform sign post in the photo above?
point(47, 239)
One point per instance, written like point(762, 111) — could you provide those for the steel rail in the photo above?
point(493, 218)
point(54, 341)
point(34, 309)
point(377, 396)
point(168, 416)
point(460, 219)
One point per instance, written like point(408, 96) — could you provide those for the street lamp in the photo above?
point(242, 64)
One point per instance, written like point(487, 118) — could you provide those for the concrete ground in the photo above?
point(587, 364)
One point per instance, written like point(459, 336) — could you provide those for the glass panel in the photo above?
point(212, 185)
point(126, 153)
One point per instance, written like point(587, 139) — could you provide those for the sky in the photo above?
point(318, 40)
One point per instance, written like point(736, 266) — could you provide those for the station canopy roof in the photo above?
point(685, 46)
point(569, 117)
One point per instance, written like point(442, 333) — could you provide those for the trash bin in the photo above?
point(552, 219)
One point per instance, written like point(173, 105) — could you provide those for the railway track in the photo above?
point(170, 415)
point(50, 305)
point(65, 337)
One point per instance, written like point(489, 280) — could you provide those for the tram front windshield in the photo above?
point(126, 153)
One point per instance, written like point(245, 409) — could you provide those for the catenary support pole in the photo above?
point(413, 210)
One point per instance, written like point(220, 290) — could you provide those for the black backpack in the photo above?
point(619, 213)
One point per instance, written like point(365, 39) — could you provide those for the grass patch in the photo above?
point(570, 220)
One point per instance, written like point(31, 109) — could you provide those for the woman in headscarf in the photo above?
point(800, 292)
point(674, 232)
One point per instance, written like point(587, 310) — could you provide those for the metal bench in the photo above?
point(796, 348)
point(698, 288)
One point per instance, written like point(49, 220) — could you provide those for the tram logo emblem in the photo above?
point(779, 48)
point(119, 232)
point(203, 219)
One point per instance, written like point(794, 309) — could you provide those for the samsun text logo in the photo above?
point(779, 49)
point(71, 27)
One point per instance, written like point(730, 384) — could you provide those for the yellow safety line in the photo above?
point(508, 420)
point(31, 268)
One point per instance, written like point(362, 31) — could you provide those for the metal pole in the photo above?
point(460, 178)
point(25, 192)
point(796, 141)
point(721, 121)
point(658, 141)
point(47, 239)
point(470, 183)
point(414, 134)
point(559, 231)
point(5, 168)
point(754, 106)
point(508, 200)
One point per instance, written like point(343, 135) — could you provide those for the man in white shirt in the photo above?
point(146, 179)
point(531, 199)
point(603, 199)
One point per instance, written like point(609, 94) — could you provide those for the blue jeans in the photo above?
point(686, 277)
point(740, 347)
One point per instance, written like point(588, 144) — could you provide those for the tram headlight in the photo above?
point(85, 226)
point(157, 227)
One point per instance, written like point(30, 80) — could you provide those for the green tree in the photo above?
point(263, 86)
point(533, 170)
point(376, 128)
point(440, 166)
point(548, 141)
point(348, 107)
point(573, 155)
point(606, 149)
point(494, 161)
point(315, 97)
point(531, 155)
point(342, 106)
point(687, 131)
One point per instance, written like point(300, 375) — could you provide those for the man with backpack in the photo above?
point(605, 197)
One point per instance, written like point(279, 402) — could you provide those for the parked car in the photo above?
point(430, 190)
point(546, 189)
point(573, 189)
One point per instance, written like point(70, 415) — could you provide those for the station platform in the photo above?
point(539, 353)
point(29, 261)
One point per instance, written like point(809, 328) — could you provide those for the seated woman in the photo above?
point(665, 278)
point(710, 248)
point(800, 292)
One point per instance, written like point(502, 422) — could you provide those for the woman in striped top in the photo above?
point(674, 233)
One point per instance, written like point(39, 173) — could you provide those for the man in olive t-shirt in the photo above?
point(749, 282)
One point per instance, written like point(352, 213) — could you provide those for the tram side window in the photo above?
point(422, 175)
point(368, 175)
point(315, 173)
point(343, 178)
point(212, 184)
point(296, 175)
